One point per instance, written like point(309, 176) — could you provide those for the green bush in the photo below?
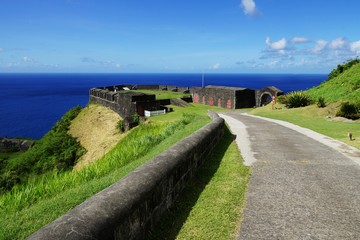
point(121, 125)
point(56, 150)
point(281, 99)
point(321, 102)
point(296, 99)
point(349, 110)
point(136, 119)
point(128, 122)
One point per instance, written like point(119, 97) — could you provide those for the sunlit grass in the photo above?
point(345, 87)
point(163, 94)
point(211, 206)
point(29, 207)
point(316, 119)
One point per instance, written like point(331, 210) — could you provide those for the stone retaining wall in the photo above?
point(132, 206)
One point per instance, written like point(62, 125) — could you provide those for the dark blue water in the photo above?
point(30, 104)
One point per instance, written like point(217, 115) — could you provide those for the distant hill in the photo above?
point(345, 87)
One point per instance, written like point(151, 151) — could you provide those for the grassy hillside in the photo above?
point(55, 151)
point(28, 207)
point(344, 88)
point(95, 129)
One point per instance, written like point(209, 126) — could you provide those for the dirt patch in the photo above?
point(95, 128)
point(339, 119)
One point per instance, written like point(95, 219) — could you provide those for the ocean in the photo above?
point(32, 103)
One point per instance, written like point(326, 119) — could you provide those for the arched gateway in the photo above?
point(264, 96)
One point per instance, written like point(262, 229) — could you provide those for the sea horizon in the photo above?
point(33, 102)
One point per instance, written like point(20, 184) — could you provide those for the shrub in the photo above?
point(136, 119)
point(128, 122)
point(296, 99)
point(348, 110)
point(56, 150)
point(321, 102)
point(120, 125)
point(281, 99)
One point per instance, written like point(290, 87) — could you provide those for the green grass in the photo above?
point(9, 155)
point(344, 88)
point(55, 150)
point(163, 94)
point(29, 207)
point(211, 206)
point(315, 119)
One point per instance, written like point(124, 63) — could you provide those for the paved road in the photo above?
point(299, 188)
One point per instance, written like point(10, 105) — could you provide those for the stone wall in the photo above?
point(124, 103)
point(175, 88)
point(163, 87)
point(15, 145)
point(128, 103)
point(264, 96)
point(245, 98)
point(132, 206)
point(224, 97)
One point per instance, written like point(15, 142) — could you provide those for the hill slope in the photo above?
point(345, 87)
point(95, 128)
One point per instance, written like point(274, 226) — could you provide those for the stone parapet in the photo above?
point(132, 206)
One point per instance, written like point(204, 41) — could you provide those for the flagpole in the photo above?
point(202, 80)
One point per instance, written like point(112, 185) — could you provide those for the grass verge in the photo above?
point(163, 94)
point(315, 119)
point(211, 206)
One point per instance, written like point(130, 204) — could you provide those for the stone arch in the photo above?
point(265, 98)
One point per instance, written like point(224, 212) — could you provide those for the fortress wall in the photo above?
point(174, 88)
point(119, 103)
point(223, 98)
point(245, 98)
point(132, 206)
point(109, 104)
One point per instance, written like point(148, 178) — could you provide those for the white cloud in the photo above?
point(28, 59)
point(282, 52)
point(299, 40)
point(279, 45)
point(215, 66)
point(249, 7)
point(338, 43)
point(106, 63)
point(320, 53)
point(274, 63)
point(355, 47)
point(320, 46)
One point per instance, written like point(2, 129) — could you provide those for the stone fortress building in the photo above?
point(127, 103)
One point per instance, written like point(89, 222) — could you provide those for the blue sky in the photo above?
point(161, 36)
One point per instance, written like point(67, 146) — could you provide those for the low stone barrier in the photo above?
point(133, 205)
